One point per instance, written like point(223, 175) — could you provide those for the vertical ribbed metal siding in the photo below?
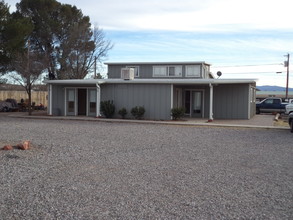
point(156, 99)
point(58, 100)
point(231, 101)
point(114, 71)
point(146, 71)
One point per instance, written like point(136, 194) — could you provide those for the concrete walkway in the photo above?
point(265, 121)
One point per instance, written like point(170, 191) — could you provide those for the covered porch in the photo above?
point(210, 99)
point(197, 100)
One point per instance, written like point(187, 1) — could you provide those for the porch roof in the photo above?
point(151, 81)
point(160, 63)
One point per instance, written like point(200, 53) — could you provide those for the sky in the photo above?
point(240, 38)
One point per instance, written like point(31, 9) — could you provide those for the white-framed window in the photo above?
point(71, 100)
point(160, 71)
point(92, 99)
point(166, 71)
point(136, 70)
point(192, 70)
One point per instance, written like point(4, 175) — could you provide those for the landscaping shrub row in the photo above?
point(108, 109)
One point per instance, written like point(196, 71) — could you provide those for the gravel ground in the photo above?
point(98, 170)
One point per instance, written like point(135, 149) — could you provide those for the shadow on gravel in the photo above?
point(12, 156)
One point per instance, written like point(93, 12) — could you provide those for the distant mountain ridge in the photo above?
point(273, 88)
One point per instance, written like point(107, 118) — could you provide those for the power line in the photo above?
point(255, 72)
point(270, 64)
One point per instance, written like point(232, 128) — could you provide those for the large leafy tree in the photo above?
point(4, 16)
point(14, 32)
point(65, 37)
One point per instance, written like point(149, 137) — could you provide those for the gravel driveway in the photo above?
point(98, 170)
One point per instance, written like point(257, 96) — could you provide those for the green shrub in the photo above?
point(177, 113)
point(122, 112)
point(108, 108)
point(138, 112)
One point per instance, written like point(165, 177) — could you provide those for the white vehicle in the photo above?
point(289, 109)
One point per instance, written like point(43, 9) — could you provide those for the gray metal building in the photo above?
point(158, 87)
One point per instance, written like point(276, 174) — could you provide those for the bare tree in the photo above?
point(81, 51)
point(102, 46)
point(28, 68)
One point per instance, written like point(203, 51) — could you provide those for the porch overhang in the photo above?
point(209, 83)
point(150, 81)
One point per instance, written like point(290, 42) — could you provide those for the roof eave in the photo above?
point(150, 81)
point(158, 63)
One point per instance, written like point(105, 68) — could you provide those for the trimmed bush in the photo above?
point(108, 108)
point(177, 113)
point(122, 112)
point(138, 112)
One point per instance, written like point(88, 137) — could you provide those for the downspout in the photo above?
point(172, 98)
point(50, 99)
point(65, 102)
point(250, 91)
point(251, 109)
point(211, 104)
point(98, 101)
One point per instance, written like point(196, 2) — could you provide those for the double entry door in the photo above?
point(193, 103)
point(81, 101)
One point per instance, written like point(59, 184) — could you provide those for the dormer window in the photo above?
point(166, 71)
point(193, 70)
point(136, 70)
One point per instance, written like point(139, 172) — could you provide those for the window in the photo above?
point(165, 71)
point(70, 103)
point(160, 71)
point(92, 100)
point(136, 70)
point(269, 101)
point(171, 71)
point(193, 71)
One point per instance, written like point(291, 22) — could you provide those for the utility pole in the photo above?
point(95, 76)
point(286, 64)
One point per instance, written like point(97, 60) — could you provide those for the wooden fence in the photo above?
point(37, 96)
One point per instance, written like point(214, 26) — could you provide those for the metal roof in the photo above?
point(150, 81)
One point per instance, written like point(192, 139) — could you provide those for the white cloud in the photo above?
point(192, 15)
point(222, 32)
point(186, 15)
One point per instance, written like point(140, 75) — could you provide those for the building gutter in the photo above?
point(98, 101)
point(211, 103)
point(150, 81)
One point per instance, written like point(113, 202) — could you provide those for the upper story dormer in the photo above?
point(160, 70)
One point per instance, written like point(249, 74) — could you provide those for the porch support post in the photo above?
point(211, 104)
point(172, 98)
point(50, 100)
point(98, 101)
point(65, 102)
